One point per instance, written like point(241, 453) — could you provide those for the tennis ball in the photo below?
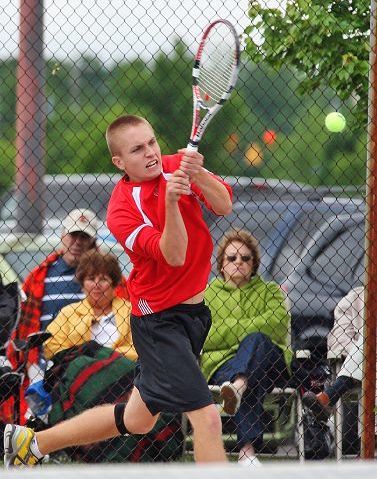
point(335, 122)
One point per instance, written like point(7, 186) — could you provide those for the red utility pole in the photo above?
point(30, 118)
point(369, 376)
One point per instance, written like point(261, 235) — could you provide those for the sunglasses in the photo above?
point(233, 258)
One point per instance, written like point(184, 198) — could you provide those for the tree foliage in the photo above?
point(84, 96)
point(325, 41)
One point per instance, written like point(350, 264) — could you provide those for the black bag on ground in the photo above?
point(318, 439)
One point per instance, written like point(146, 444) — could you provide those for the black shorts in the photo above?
point(169, 344)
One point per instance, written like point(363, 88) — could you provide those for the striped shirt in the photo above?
point(61, 289)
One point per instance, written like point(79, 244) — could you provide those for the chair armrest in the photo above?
point(302, 354)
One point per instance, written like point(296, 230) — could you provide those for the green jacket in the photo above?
point(237, 312)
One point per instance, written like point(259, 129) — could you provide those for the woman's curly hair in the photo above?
point(244, 237)
point(95, 262)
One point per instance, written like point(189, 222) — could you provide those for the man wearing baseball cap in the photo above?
point(79, 231)
point(51, 285)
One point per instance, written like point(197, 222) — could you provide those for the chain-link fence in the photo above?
point(283, 358)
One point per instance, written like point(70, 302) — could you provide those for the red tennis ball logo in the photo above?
point(269, 137)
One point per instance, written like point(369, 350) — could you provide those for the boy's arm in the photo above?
point(216, 193)
point(173, 242)
point(213, 190)
point(133, 230)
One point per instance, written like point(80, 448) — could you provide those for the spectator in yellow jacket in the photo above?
point(101, 316)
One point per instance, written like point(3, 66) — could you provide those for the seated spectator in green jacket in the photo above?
point(246, 351)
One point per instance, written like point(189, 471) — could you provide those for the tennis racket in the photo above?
point(214, 75)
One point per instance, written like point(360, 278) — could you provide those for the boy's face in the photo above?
point(139, 154)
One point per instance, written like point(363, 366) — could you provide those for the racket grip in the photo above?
point(191, 147)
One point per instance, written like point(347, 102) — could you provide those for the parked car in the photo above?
point(66, 192)
point(282, 215)
point(63, 194)
point(283, 227)
point(21, 252)
point(330, 265)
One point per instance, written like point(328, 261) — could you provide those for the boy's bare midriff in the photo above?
point(198, 298)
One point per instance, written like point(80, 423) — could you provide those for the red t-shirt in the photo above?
point(136, 217)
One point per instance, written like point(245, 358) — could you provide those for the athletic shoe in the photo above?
point(231, 398)
point(319, 410)
point(17, 441)
point(249, 461)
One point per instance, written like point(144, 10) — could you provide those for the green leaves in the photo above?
point(327, 41)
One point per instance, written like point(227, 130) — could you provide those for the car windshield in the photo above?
point(307, 222)
point(260, 220)
point(338, 263)
point(303, 230)
point(67, 194)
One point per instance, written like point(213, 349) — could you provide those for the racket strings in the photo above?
point(217, 68)
point(216, 75)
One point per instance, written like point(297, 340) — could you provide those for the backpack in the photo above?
point(318, 439)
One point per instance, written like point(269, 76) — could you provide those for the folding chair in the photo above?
point(336, 360)
point(288, 392)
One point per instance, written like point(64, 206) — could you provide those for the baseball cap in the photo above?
point(81, 219)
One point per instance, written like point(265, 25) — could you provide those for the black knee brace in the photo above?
point(119, 421)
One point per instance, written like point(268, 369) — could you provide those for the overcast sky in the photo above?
point(118, 29)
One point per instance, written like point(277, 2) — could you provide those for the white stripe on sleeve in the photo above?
point(130, 240)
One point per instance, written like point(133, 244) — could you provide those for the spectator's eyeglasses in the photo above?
point(244, 258)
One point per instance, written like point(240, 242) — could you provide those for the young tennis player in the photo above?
point(155, 213)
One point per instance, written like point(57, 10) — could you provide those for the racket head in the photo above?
point(214, 74)
point(216, 64)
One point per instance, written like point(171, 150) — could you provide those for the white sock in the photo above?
point(249, 461)
point(35, 449)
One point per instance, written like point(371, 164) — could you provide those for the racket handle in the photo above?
point(191, 147)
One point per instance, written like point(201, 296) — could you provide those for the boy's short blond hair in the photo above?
point(120, 123)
